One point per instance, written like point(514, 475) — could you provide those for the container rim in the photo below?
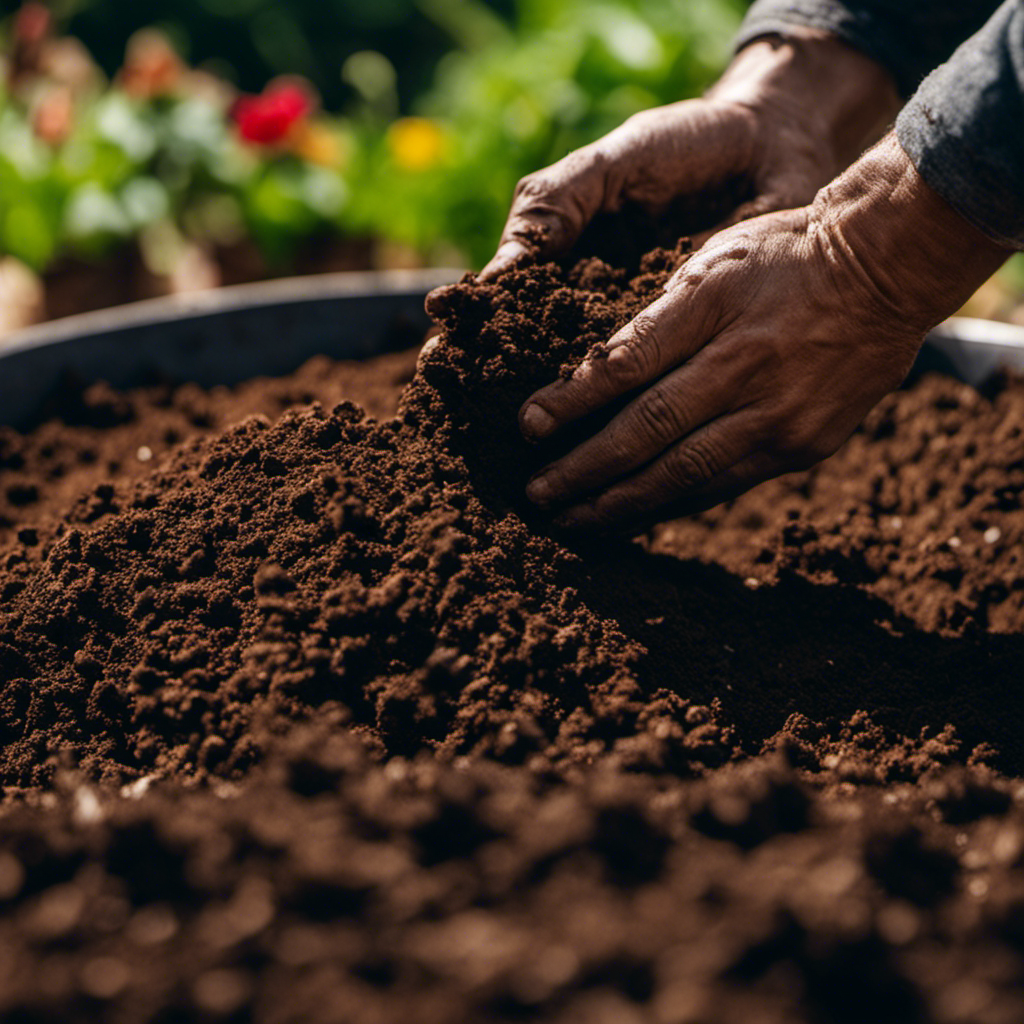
point(254, 295)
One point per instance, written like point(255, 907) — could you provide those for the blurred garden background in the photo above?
point(174, 146)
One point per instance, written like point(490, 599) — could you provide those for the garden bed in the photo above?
point(305, 716)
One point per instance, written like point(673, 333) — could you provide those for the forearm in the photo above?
point(961, 129)
point(888, 228)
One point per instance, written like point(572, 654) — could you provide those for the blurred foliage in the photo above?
point(518, 95)
point(252, 41)
point(158, 152)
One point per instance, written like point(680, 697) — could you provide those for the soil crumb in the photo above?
point(304, 715)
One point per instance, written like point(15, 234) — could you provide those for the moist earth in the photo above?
point(306, 716)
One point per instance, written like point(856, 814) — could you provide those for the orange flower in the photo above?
point(152, 66)
point(53, 117)
point(416, 143)
point(318, 144)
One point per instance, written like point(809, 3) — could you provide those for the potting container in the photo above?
point(269, 329)
point(218, 337)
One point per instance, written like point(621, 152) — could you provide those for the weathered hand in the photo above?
point(767, 349)
point(756, 124)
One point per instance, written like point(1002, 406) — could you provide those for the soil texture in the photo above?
point(305, 716)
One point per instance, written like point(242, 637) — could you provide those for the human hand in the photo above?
point(756, 124)
point(768, 347)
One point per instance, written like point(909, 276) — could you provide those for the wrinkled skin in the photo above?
point(755, 125)
point(767, 349)
point(777, 336)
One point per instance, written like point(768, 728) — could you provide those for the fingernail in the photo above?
point(539, 490)
point(617, 353)
point(537, 423)
point(492, 270)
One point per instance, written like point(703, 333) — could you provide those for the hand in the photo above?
point(767, 349)
point(755, 124)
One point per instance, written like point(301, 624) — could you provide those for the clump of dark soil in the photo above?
point(922, 507)
point(306, 716)
point(94, 435)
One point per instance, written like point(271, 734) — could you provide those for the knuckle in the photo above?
point(530, 189)
point(660, 417)
point(691, 465)
point(642, 120)
point(534, 188)
point(641, 354)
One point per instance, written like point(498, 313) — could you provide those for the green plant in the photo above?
point(519, 95)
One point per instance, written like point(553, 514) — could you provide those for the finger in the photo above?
point(509, 254)
point(669, 331)
point(550, 209)
point(744, 476)
point(674, 407)
point(699, 464)
point(437, 300)
point(430, 344)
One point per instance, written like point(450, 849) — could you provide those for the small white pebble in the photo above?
point(896, 523)
point(135, 790)
point(954, 542)
point(87, 808)
point(977, 887)
point(992, 534)
point(144, 454)
point(752, 582)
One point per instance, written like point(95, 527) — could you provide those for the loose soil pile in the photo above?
point(306, 717)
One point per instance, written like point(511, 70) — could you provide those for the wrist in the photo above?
point(919, 257)
point(812, 84)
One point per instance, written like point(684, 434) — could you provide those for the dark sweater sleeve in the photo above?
point(909, 37)
point(964, 128)
point(964, 125)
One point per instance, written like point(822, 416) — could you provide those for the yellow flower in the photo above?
point(416, 143)
point(318, 144)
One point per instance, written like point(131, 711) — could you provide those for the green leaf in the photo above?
point(29, 235)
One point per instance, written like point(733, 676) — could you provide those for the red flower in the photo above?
point(269, 118)
point(32, 23)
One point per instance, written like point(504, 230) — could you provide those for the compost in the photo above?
point(306, 716)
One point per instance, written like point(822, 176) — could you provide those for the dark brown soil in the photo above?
point(308, 718)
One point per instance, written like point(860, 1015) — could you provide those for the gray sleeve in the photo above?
point(909, 37)
point(964, 128)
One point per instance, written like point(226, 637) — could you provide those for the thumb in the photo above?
point(550, 209)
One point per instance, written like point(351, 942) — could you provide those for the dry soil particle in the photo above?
point(329, 888)
point(524, 798)
point(95, 435)
point(921, 507)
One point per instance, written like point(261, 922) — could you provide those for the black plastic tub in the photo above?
point(269, 329)
point(217, 337)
